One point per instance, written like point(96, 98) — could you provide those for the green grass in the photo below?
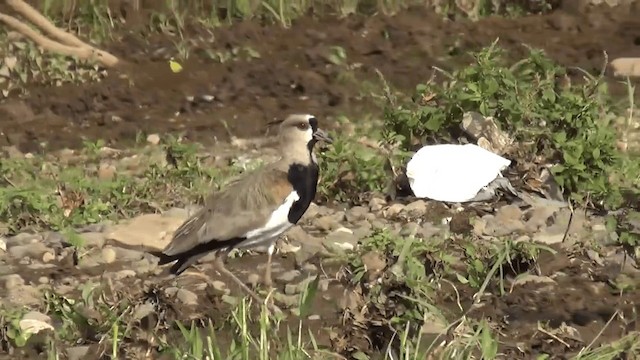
point(45, 193)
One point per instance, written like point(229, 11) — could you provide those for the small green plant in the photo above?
point(11, 329)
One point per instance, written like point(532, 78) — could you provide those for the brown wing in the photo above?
point(243, 205)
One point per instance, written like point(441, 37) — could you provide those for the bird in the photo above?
point(256, 208)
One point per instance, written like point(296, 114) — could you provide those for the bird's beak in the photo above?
point(320, 135)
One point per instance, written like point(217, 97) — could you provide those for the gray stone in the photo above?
point(94, 228)
point(291, 289)
point(144, 266)
point(77, 352)
point(187, 297)
point(309, 268)
point(108, 255)
point(33, 251)
point(11, 281)
point(286, 300)
point(253, 279)
point(93, 239)
point(323, 285)
point(393, 210)
point(219, 286)
point(128, 255)
point(326, 223)
point(356, 213)
point(342, 238)
point(429, 230)
point(143, 310)
point(410, 229)
point(176, 212)
point(416, 209)
point(288, 276)
point(23, 239)
point(376, 204)
point(538, 218)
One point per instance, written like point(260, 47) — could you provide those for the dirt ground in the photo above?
point(293, 72)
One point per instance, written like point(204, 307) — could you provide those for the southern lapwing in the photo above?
point(254, 209)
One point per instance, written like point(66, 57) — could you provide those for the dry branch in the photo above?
point(68, 44)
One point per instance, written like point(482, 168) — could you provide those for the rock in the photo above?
point(326, 223)
point(291, 289)
point(77, 352)
point(177, 213)
point(17, 292)
point(3, 244)
point(106, 171)
point(374, 263)
point(23, 239)
point(429, 230)
point(376, 204)
point(149, 231)
point(187, 297)
point(309, 268)
point(145, 266)
point(286, 300)
point(48, 257)
point(122, 274)
point(342, 238)
point(298, 235)
point(539, 217)
point(356, 213)
point(545, 237)
point(416, 209)
point(219, 285)
point(153, 139)
point(253, 279)
point(108, 255)
point(393, 211)
point(410, 229)
point(624, 67)
point(33, 251)
point(11, 281)
point(529, 278)
point(506, 221)
point(128, 255)
point(461, 223)
point(93, 239)
point(312, 212)
point(362, 229)
point(288, 276)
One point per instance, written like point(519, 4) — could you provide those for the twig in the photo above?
point(68, 44)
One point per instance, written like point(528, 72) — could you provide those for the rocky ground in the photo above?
point(545, 281)
point(512, 279)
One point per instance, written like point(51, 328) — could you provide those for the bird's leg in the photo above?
point(219, 263)
point(267, 271)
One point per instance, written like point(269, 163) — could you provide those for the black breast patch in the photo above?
point(304, 180)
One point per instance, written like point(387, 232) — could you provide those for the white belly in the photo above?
point(277, 224)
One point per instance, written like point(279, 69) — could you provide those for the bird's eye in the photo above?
point(303, 126)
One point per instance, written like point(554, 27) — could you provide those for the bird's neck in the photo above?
point(302, 154)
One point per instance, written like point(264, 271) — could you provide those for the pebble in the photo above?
point(288, 276)
point(187, 297)
point(326, 223)
point(416, 208)
point(93, 239)
point(108, 255)
point(77, 352)
point(153, 139)
point(393, 210)
point(35, 251)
